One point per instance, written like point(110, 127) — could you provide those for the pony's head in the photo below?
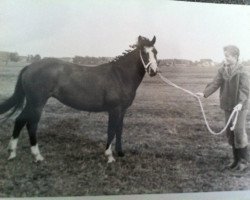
point(148, 55)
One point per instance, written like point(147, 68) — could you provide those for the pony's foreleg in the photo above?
point(118, 145)
point(112, 123)
point(36, 152)
point(109, 154)
point(115, 128)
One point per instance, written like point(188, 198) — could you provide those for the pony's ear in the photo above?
point(153, 41)
point(140, 41)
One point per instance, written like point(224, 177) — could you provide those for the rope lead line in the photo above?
point(234, 113)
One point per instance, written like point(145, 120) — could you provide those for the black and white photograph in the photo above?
point(109, 99)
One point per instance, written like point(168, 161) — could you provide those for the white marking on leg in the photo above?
point(35, 151)
point(109, 154)
point(13, 143)
point(12, 147)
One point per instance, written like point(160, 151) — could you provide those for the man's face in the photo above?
point(230, 59)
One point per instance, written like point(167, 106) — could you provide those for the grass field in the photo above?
point(168, 148)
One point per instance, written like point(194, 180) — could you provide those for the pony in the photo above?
point(109, 87)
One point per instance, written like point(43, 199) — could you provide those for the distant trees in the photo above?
point(14, 57)
point(246, 63)
point(5, 57)
point(175, 62)
point(36, 58)
point(32, 58)
point(90, 60)
point(78, 59)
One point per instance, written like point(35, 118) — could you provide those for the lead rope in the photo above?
point(234, 113)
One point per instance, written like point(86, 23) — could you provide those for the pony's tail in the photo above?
point(16, 101)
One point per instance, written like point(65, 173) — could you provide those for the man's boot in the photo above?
point(243, 159)
point(235, 157)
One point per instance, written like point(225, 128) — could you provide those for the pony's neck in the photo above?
point(132, 68)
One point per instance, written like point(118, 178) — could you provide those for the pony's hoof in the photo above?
point(111, 159)
point(120, 154)
point(240, 167)
point(231, 165)
point(12, 156)
point(39, 158)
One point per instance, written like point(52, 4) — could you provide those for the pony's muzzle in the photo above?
point(152, 72)
point(153, 69)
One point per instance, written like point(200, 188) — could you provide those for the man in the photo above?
point(234, 94)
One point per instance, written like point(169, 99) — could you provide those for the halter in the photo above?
point(145, 66)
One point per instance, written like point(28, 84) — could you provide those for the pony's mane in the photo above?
point(126, 52)
point(144, 42)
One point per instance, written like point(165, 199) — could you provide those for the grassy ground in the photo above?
point(168, 148)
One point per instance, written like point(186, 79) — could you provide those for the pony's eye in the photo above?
point(155, 51)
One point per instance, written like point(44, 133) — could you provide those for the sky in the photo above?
point(65, 28)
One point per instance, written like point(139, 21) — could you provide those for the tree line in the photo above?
point(15, 57)
point(91, 61)
point(87, 60)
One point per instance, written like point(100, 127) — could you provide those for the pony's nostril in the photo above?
point(152, 72)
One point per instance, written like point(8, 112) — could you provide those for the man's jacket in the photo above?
point(234, 87)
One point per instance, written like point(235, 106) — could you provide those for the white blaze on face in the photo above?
point(151, 58)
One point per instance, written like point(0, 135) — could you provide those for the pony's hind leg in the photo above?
point(32, 124)
point(19, 124)
point(30, 117)
point(32, 128)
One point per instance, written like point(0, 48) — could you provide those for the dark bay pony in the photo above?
point(109, 87)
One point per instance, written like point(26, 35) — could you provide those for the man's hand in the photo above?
point(238, 107)
point(200, 94)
